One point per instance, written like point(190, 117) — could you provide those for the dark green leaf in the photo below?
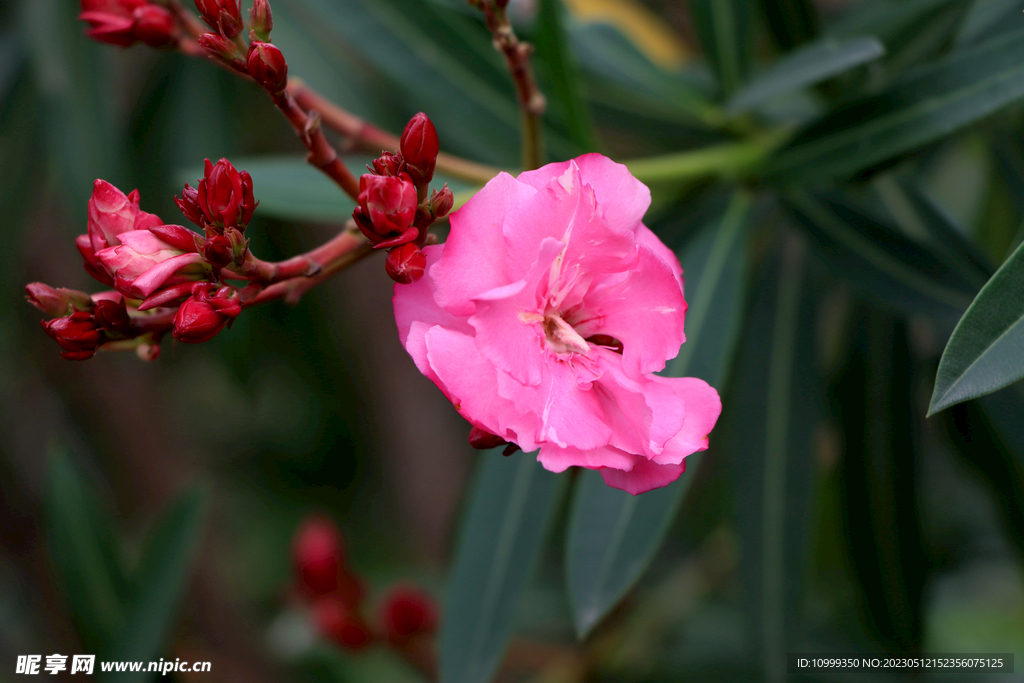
point(984, 352)
point(160, 582)
point(510, 509)
point(886, 265)
point(987, 18)
point(884, 18)
point(790, 22)
point(86, 559)
point(553, 49)
point(613, 536)
point(777, 397)
point(918, 109)
point(804, 67)
point(724, 29)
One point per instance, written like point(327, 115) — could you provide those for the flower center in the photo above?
point(561, 336)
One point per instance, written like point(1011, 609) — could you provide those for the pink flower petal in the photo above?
point(161, 273)
point(703, 406)
point(645, 476)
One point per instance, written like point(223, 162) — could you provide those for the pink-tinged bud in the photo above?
point(419, 148)
point(338, 624)
point(389, 203)
point(389, 163)
point(225, 195)
point(406, 613)
point(204, 315)
point(261, 20)
point(56, 302)
point(188, 202)
point(113, 316)
point(405, 264)
point(224, 16)
point(267, 67)
point(156, 27)
point(76, 334)
point(221, 48)
point(168, 296)
point(482, 439)
point(441, 202)
point(144, 262)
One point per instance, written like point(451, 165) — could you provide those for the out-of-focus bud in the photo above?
point(222, 48)
point(388, 163)
point(188, 202)
point(389, 206)
point(76, 334)
point(337, 623)
point(223, 16)
point(406, 613)
point(441, 202)
point(318, 555)
point(267, 67)
point(204, 315)
point(56, 302)
point(156, 27)
point(111, 21)
point(482, 439)
point(261, 20)
point(225, 195)
point(405, 264)
point(113, 316)
point(419, 148)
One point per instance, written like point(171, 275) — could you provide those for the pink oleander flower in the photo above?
point(545, 315)
point(144, 262)
point(110, 213)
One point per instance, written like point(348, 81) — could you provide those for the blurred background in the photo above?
point(897, 533)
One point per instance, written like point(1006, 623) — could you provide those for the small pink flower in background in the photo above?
point(545, 315)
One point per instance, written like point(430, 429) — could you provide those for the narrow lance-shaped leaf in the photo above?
point(776, 398)
point(506, 522)
point(804, 67)
point(723, 27)
point(918, 109)
point(613, 536)
point(984, 352)
point(554, 49)
point(160, 583)
point(790, 22)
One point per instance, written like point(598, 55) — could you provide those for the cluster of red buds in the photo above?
point(164, 277)
point(125, 22)
point(394, 210)
point(336, 596)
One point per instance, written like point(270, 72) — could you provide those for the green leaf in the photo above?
point(920, 108)
point(985, 18)
point(289, 188)
point(160, 582)
point(613, 536)
point(984, 352)
point(84, 554)
point(804, 67)
point(886, 265)
point(884, 18)
point(776, 395)
point(790, 22)
point(724, 29)
point(553, 49)
point(510, 510)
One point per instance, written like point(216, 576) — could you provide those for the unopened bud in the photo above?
point(261, 20)
point(223, 16)
point(155, 26)
point(318, 555)
point(203, 316)
point(405, 264)
point(217, 250)
point(76, 335)
point(406, 613)
point(389, 204)
point(267, 67)
point(225, 195)
point(112, 316)
point(441, 202)
point(55, 302)
point(222, 48)
point(388, 163)
point(482, 439)
point(335, 622)
point(188, 202)
point(419, 147)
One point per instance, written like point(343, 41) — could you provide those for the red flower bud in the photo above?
point(111, 21)
point(225, 195)
point(217, 250)
point(419, 148)
point(76, 334)
point(261, 20)
point(389, 163)
point(203, 316)
point(156, 27)
point(441, 202)
point(113, 316)
point(188, 202)
point(482, 439)
point(407, 612)
point(335, 622)
point(221, 48)
point(223, 16)
point(267, 67)
point(389, 205)
point(405, 264)
point(56, 302)
point(318, 555)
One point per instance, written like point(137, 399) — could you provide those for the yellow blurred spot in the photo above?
point(644, 28)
